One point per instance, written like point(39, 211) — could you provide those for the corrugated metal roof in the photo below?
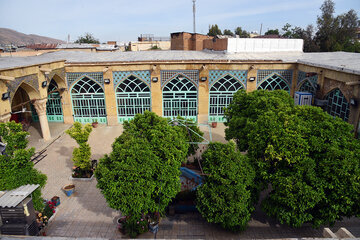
point(13, 197)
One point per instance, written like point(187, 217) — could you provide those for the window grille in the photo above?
point(337, 105)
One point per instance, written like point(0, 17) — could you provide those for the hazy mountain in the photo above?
point(8, 36)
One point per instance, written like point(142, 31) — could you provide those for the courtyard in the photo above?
point(86, 214)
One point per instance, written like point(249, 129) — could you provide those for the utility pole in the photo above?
point(194, 10)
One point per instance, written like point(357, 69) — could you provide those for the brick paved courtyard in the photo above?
point(86, 214)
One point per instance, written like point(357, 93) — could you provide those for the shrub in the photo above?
point(81, 155)
point(226, 196)
point(16, 169)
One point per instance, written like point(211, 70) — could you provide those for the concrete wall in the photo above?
point(264, 45)
point(144, 46)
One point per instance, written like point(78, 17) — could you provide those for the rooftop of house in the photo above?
point(339, 61)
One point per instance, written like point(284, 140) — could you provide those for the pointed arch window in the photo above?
point(133, 96)
point(337, 104)
point(88, 101)
point(180, 98)
point(275, 82)
point(53, 105)
point(221, 95)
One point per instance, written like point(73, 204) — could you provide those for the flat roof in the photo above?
point(339, 61)
point(14, 197)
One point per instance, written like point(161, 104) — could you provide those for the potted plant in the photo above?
point(95, 124)
point(214, 124)
point(69, 189)
point(81, 155)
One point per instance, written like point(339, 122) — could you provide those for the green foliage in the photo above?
point(14, 137)
point(192, 133)
point(142, 173)
point(155, 47)
point(81, 155)
point(242, 33)
point(16, 169)
point(247, 107)
point(228, 32)
point(135, 225)
point(226, 196)
point(88, 38)
point(272, 32)
point(336, 33)
point(214, 30)
point(309, 159)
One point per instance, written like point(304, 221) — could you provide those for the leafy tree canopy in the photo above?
point(336, 33)
point(214, 30)
point(226, 195)
point(142, 173)
point(16, 169)
point(242, 33)
point(310, 159)
point(247, 107)
point(272, 32)
point(228, 32)
point(87, 38)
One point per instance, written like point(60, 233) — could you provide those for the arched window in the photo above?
point(275, 82)
point(307, 86)
point(221, 95)
point(132, 97)
point(337, 104)
point(53, 105)
point(180, 98)
point(88, 101)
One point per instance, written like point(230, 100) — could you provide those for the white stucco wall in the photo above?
point(264, 45)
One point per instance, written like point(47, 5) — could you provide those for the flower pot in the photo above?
point(120, 224)
point(56, 200)
point(69, 189)
point(95, 124)
point(214, 124)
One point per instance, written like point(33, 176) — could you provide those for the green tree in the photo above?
point(228, 32)
point(87, 38)
point(16, 169)
point(336, 33)
point(272, 32)
point(214, 30)
point(142, 173)
point(226, 196)
point(247, 107)
point(82, 154)
point(310, 159)
point(242, 33)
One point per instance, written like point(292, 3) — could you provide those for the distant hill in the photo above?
point(8, 36)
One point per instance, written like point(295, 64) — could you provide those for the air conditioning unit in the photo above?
point(303, 98)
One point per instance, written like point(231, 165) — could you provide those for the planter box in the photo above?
point(82, 179)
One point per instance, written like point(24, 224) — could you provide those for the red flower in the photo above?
point(53, 211)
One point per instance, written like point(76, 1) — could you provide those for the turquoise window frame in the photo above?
point(221, 95)
point(274, 82)
point(180, 98)
point(337, 104)
point(88, 103)
point(54, 110)
point(133, 96)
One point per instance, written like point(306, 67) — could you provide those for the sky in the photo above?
point(125, 20)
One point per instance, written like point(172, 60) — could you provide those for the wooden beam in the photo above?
point(6, 78)
point(353, 83)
